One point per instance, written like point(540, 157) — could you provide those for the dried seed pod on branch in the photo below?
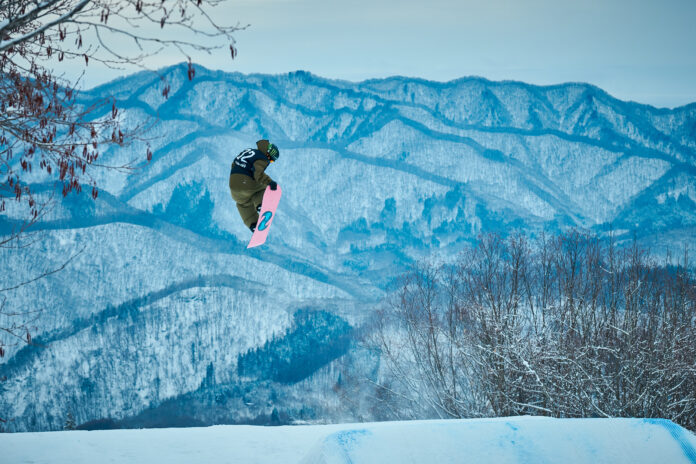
point(43, 123)
point(47, 132)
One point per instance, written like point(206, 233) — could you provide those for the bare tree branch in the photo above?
point(569, 327)
point(47, 273)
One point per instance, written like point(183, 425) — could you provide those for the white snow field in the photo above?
point(503, 440)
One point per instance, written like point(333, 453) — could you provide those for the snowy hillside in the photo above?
point(514, 440)
point(166, 319)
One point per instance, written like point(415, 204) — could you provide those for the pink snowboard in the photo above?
point(268, 209)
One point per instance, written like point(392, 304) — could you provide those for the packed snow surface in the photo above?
point(502, 440)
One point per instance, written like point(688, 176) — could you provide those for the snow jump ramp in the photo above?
point(518, 440)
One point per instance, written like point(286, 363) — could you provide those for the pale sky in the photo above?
point(640, 50)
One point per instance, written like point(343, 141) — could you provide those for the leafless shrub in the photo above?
point(566, 326)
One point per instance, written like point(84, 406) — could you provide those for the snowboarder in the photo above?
point(248, 180)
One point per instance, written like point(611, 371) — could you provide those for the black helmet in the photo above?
point(273, 152)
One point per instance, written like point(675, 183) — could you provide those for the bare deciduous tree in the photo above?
point(45, 132)
point(41, 125)
point(566, 326)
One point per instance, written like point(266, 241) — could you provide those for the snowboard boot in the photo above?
point(252, 227)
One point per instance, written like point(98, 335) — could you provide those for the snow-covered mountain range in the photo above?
point(165, 317)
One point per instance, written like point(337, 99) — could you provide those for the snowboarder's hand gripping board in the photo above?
point(266, 215)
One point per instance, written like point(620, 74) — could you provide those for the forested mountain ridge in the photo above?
point(165, 300)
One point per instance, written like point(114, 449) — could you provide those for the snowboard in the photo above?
point(266, 215)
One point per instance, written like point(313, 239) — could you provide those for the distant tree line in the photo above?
point(316, 339)
point(563, 326)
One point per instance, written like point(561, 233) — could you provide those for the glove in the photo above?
point(273, 185)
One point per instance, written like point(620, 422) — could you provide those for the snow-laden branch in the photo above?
point(599, 332)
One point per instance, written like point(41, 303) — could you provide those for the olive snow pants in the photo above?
point(248, 194)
